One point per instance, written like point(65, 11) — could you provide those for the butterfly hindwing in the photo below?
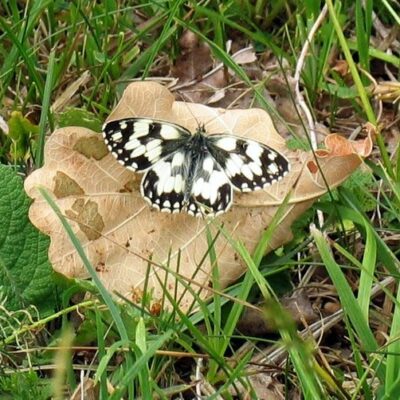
point(172, 186)
point(138, 143)
point(211, 191)
point(249, 165)
point(164, 185)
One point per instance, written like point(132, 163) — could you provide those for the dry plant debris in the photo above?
point(121, 234)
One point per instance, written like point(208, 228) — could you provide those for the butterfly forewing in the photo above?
point(139, 143)
point(249, 165)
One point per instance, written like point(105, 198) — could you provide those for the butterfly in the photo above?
point(196, 173)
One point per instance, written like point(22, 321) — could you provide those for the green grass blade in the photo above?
point(141, 343)
point(347, 299)
point(141, 362)
point(256, 35)
point(358, 362)
point(111, 351)
point(26, 26)
point(353, 69)
point(392, 12)
point(165, 33)
point(351, 211)
point(299, 352)
point(45, 115)
point(359, 84)
point(363, 37)
point(367, 272)
point(376, 53)
point(267, 235)
point(392, 381)
point(36, 78)
point(102, 377)
point(115, 313)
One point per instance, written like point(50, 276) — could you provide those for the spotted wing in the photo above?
point(139, 143)
point(164, 185)
point(211, 191)
point(248, 164)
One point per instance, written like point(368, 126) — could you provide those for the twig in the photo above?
point(300, 99)
point(299, 67)
point(199, 377)
point(276, 354)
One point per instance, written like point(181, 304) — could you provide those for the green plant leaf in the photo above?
point(79, 117)
point(21, 132)
point(24, 385)
point(26, 275)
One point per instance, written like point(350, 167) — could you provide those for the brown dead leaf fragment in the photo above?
point(121, 233)
point(255, 322)
point(86, 390)
point(194, 60)
point(197, 82)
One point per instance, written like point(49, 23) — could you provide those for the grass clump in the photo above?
point(67, 63)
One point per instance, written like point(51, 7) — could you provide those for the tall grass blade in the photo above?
point(45, 115)
point(115, 313)
point(367, 272)
point(347, 299)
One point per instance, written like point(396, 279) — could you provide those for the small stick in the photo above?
point(299, 67)
point(299, 96)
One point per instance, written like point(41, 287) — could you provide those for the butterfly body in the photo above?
point(196, 173)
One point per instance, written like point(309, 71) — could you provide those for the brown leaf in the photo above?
point(256, 322)
point(341, 67)
point(86, 390)
point(120, 232)
point(209, 89)
point(266, 386)
point(246, 55)
point(66, 98)
point(194, 61)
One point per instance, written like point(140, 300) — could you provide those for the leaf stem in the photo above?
point(44, 321)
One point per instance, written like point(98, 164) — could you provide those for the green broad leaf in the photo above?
point(100, 57)
point(362, 184)
point(298, 144)
point(343, 92)
point(21, 132)
point(130, 55)
point(86, 332)
point(26, 276)
point(79, 117)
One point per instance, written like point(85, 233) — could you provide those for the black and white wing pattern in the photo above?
point(138, 143)
point(249, 165)
point(164, 185)
point(210, 190)
point(172, 185)
point(196, 173)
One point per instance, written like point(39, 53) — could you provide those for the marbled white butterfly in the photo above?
point(188, 172)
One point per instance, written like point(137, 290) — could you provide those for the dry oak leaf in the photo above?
point(120, 232)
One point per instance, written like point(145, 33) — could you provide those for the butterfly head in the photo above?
point(198, 141)
point(201, 129)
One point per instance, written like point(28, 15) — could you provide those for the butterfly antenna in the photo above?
point(202, 125)
point(199, 124)
point(210, 121)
